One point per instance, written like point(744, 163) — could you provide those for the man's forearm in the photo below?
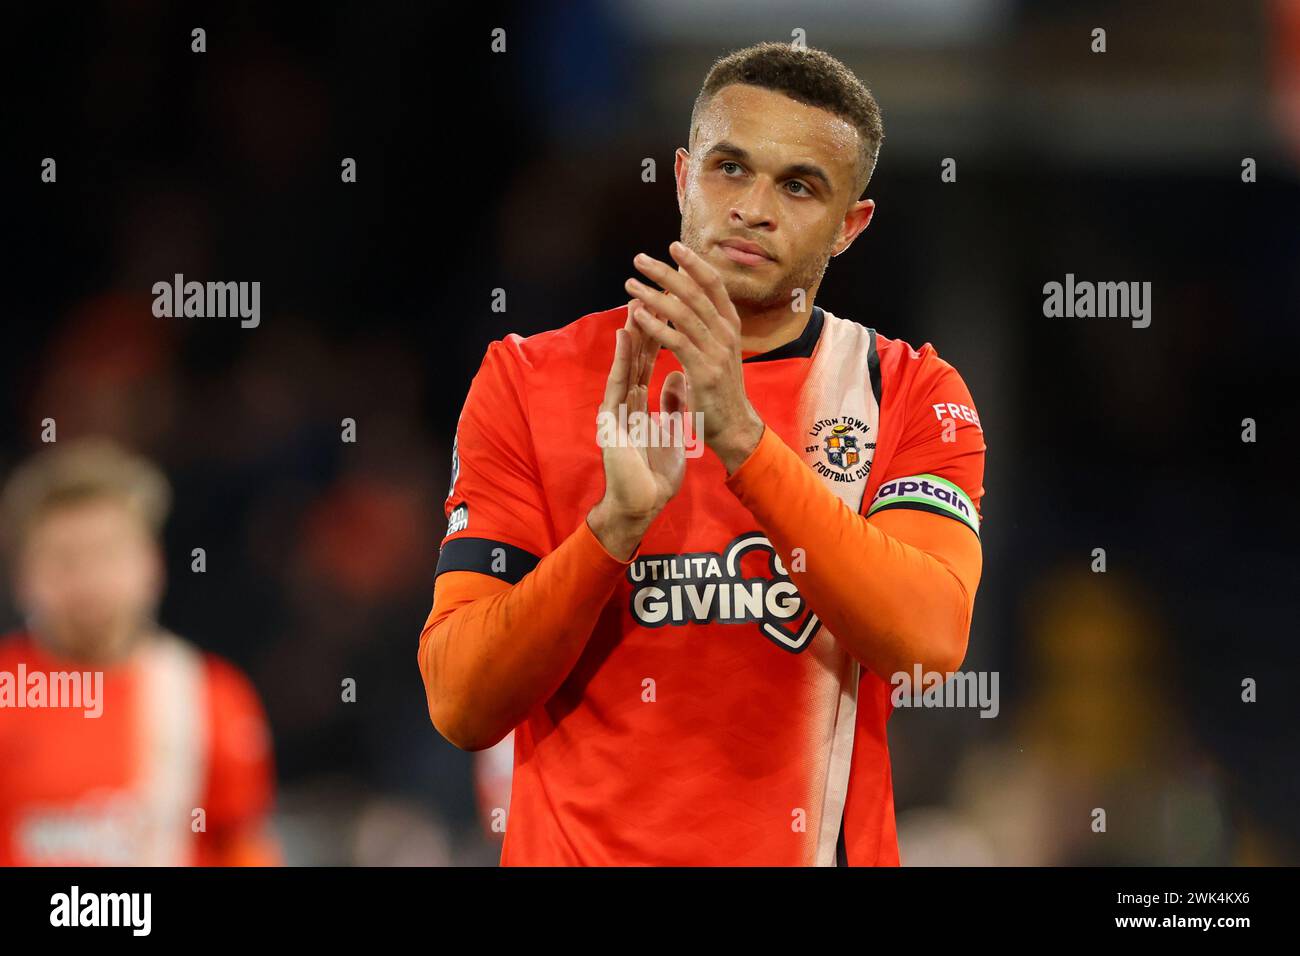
point(890, 604)
point(488, 663)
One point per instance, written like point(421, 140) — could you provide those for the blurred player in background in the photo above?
point(696, 654)
point(120, 743)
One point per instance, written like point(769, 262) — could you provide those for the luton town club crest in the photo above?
point(845, 453)
point(842, 447)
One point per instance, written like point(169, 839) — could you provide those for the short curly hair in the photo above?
point(812, 77)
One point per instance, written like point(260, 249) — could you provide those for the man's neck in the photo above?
point(771, 328)
point(107, 653)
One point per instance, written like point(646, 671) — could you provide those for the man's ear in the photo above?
point(855, 220)
point(681, 169)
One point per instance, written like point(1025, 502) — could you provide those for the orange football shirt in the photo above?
point(178, 731)
point(704, 723)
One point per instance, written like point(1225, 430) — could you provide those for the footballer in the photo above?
point(694, 642)
point(120, 743)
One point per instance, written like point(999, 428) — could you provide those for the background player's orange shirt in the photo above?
point(179, 731)
point(698, 725)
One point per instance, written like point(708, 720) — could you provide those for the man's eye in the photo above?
point(729, 163)
point(804, 189)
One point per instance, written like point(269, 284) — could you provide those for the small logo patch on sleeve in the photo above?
point(459, 519)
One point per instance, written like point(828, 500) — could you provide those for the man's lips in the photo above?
point(747, 253)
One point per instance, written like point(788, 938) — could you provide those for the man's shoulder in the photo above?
point(584, 344)
point(918, 369)
point(895, 354)
point(902, 354)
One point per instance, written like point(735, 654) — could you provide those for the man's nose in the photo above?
point(756, 208)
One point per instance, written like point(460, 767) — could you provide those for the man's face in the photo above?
point(769, 171)
point(89, 577)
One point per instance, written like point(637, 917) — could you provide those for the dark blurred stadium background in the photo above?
point(522, 171)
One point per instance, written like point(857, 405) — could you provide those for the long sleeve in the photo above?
point(491, 651)
point(895, 589)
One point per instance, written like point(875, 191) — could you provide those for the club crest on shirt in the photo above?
point(711, 587)
point(842, 445)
